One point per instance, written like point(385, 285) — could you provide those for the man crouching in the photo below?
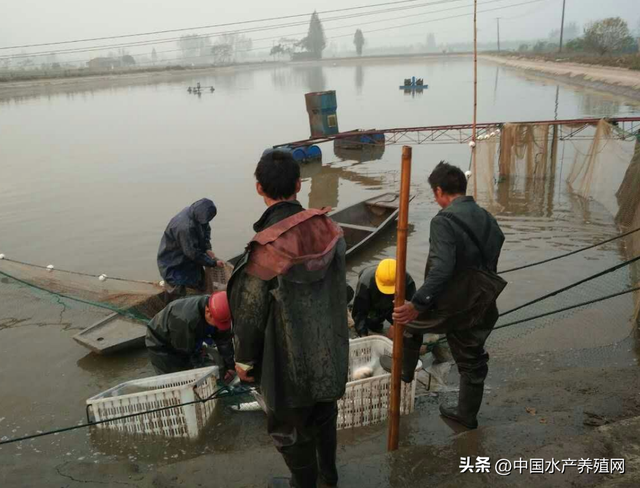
point(289, 307)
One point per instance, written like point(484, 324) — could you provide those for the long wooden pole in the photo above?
point(475, 99)
point(401, 271)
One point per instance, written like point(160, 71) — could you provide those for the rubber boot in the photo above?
point(469, 402)
point(410, 356)
point(279, 483)
point(327, 447)
point(303, 465)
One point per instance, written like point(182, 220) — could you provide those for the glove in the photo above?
point(361, 328)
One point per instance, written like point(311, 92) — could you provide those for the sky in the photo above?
point(40, 21)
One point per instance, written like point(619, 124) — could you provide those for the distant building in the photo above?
point(104, 63)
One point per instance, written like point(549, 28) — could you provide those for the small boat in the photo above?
point(363, 221)
point(112, 334)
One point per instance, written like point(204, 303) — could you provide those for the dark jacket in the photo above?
point(451, 250)
point(180, 328)
point(292, 328)
point(184, 245)
point(371, 307)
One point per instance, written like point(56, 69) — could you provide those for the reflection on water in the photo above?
point(309, 78)
point(359, 79)
point(599, 106)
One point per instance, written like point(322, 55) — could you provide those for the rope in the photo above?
point(560, 310)
point(569, 253)
point(79, 273)
point(215, 394)
point(573, 285)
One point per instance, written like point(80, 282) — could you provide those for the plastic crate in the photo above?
point(158, 392)
point(366, 401)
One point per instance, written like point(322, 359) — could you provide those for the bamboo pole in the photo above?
point(401, 271)
point(475, 98)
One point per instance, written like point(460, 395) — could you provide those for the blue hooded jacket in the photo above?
point(184, 245)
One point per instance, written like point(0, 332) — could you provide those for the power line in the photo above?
point(451, 17)
point(166, 31)
point(357, 25)
point(241, 31)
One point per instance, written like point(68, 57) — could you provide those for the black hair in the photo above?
point(448, 177)
point(278, 173)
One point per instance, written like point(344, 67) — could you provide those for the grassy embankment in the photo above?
point(628, 61)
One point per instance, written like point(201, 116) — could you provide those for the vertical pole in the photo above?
point(401, 265)
point(475, 98)
point(564, 3)
point(498, 21)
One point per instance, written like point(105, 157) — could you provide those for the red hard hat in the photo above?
point(219, 310)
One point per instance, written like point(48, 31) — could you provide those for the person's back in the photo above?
point(289, 306)
point(185, 247)
point(176, 333)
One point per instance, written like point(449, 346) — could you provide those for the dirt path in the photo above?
point(614, 80)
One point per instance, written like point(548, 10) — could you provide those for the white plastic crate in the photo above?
point(366, 401)
point(158, 392)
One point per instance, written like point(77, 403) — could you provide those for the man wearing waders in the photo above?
point(289, 306)
point(185, 249)
point(175, 336)
point(459, 292)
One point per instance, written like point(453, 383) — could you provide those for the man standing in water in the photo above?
point(185, 249)
point(463, 237)
point(289, 307)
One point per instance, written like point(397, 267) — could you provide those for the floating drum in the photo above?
point(322, 107)
point(299, 154)
point(313, 153)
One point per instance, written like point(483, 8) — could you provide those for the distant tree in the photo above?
point(243, 45)
point(276, 51)
point(315, 42)
point(127, 60)
point(523, 48)
point(222, 53)
point(571, 31)
point(608, 36)
point(432, 47)
point(358, 40)
point(540, 47)
point(193, 45)
point(575, 45)
point(154, 55)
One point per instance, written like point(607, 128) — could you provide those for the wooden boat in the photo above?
point(363, 221)
point(112, 334)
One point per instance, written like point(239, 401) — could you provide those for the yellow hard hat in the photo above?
point(386, 276)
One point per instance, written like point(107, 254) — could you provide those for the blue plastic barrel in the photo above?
point(299, 153)
point(322, 108)
point(314, 152)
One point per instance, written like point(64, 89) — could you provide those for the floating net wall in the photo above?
point(597, 166)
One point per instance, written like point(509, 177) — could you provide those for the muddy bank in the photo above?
point(618, 81)
point(536, 406)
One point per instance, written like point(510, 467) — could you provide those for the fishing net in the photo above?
point(599, 166)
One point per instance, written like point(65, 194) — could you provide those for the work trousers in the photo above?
point(467, 346)
point(165, 363)
point(307, 439)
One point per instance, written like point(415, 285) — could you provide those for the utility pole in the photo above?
point(498, 21)
point(564, 2)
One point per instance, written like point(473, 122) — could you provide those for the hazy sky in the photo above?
point(34, 21)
